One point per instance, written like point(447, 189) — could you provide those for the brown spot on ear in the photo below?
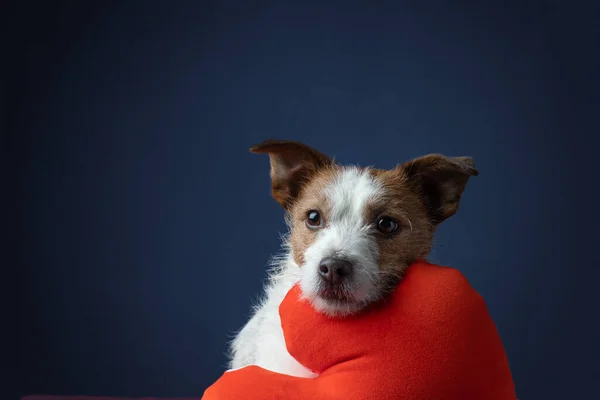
point(292, 165)
point(441, 181)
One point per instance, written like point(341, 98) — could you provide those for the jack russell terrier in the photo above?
point(353, 231)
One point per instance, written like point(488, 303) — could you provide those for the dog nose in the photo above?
point(334, 270)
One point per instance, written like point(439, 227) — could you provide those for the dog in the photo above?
point(353, 231)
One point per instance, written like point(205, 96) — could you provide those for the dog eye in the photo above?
point(387, 225)
point(313, 219)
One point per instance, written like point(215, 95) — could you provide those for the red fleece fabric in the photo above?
point(433, 339)
point(48, 397)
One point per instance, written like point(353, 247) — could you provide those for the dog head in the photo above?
point(353, 230)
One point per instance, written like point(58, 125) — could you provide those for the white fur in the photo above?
point(261, 341)
point(347, 233)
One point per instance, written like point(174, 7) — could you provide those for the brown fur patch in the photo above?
point(311, 197)
point(440, 182)
point(413, 240)
point(292, 165)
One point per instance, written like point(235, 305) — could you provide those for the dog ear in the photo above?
point(440, 180)
point(292, 165)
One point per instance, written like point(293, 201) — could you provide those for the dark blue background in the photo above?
point(140, 226)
